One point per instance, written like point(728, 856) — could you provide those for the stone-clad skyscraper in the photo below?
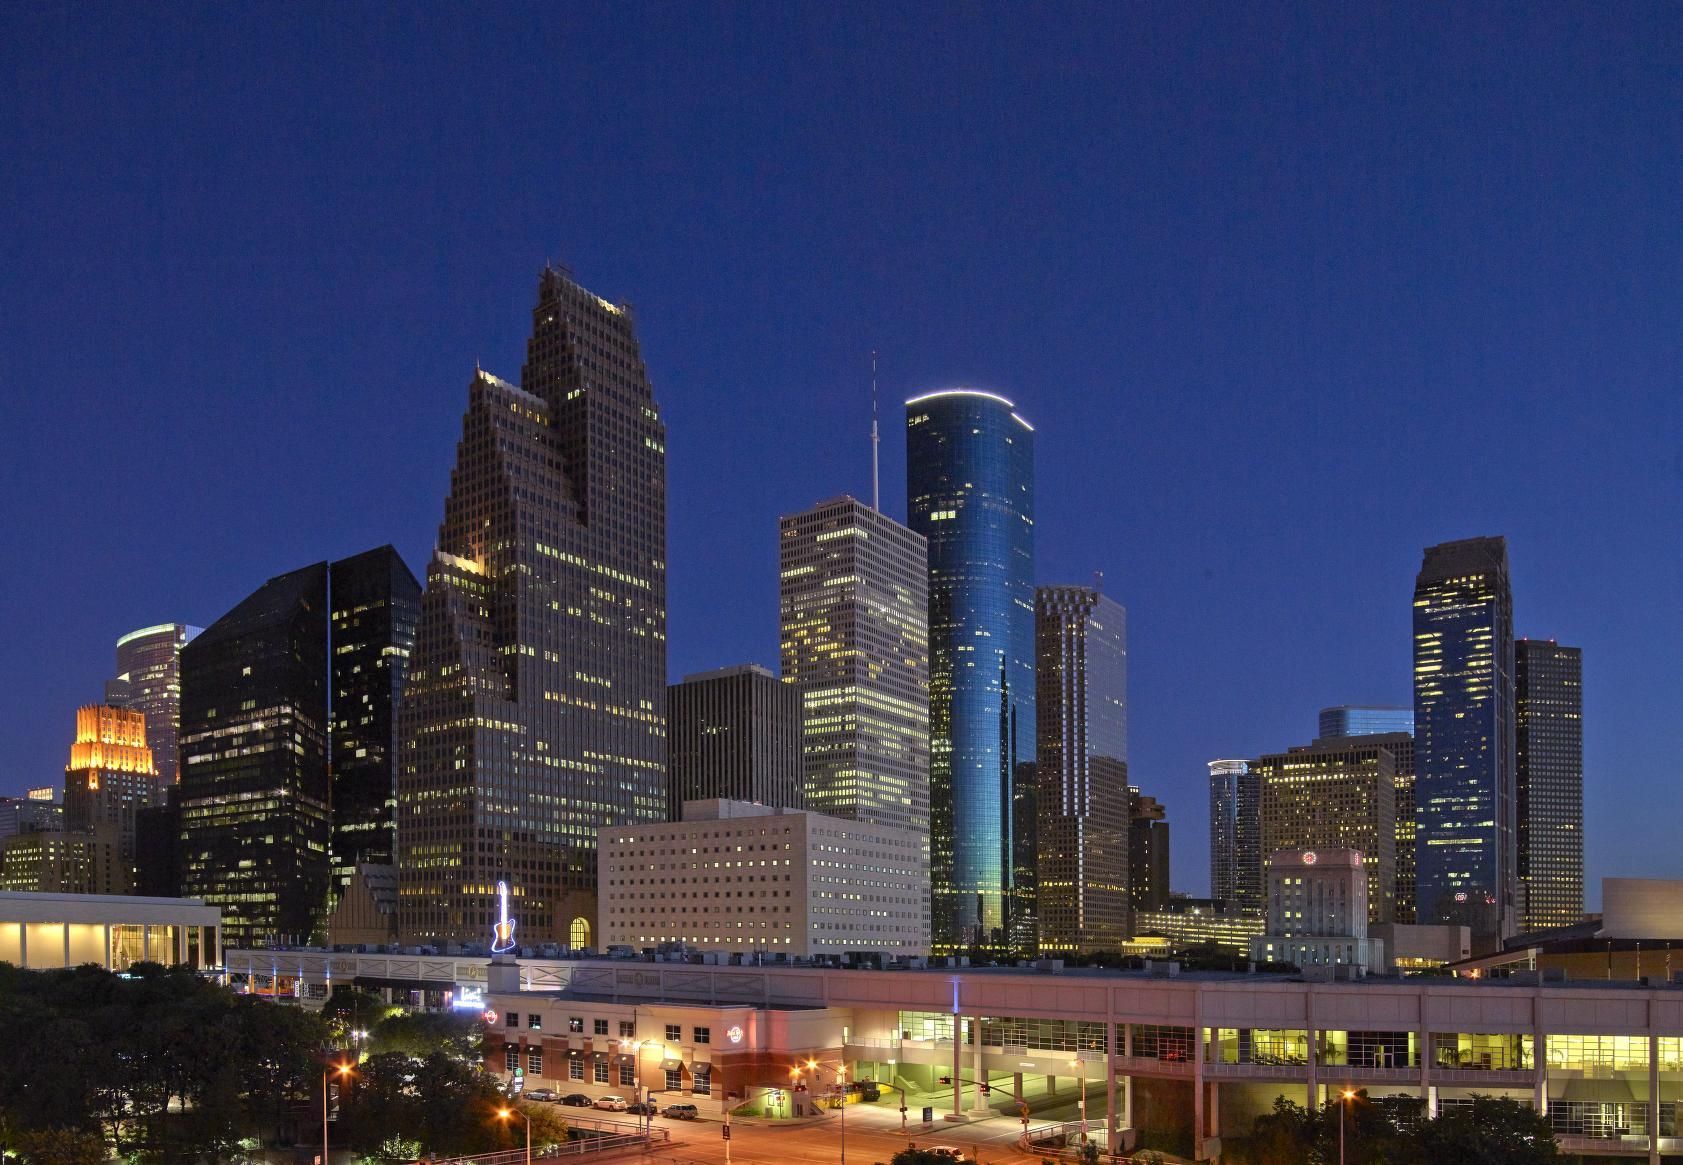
point(1465, 792)
point(854, 622)
point(1081, 708)
point(733, 734)
point(1549, 701)
point(970, 493)
point(535, 710)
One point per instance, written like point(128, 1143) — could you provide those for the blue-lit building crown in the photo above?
point(970, 493)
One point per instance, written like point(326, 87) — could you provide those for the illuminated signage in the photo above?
point(734, 1035)
point(502, 932)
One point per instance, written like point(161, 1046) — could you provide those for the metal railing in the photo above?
point(579, 1148)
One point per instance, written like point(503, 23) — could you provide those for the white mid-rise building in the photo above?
point(1317, 911)
point(738, 877)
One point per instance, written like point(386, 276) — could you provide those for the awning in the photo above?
point(671, 1064)
point(702, 1066)
point(598, 1055)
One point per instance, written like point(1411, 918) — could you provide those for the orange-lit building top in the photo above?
point(111, 740)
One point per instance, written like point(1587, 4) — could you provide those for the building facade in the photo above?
point(1365, 719)
point(254, 794)
point(1148, 853)
point(734, 733)
point(60, 861)
point(149, 682)
point(853, 615)
point(1318, 911)
point(374, 602)
point(1466, 784)
point(26, 814)
point(110, 779)
point(1336, 794)
point(535, 708)
point(970, 494)
point(1236, 860)
point(737, 878)
point(47, 931)
point(1549, 753)
point(1082, 804)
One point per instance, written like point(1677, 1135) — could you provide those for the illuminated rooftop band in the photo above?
point(972, 392)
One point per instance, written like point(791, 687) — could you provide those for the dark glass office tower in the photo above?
point(736, 735)
point(1549, 703)
point(149, 681)
point(1464, 739)
point(1148, 853)
point(254, 789)
point(535, 708)
point(1081, 713)
point(375, 602)
point(970, 493)
point(1236, 836)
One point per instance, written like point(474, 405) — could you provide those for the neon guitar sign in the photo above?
point(502, 932)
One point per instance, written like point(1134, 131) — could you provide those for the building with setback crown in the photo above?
point(1364, 720)
point(535, 709)
point(110, 779)
point(149, 682)
point(254, 797)
point(1148, 853)
point(853, 616)
point(1081, 712)
point(970, 493)
point(1236, 836)
point(733, 733)
point(1465, 787)
point(1549, 733)
point(375, 602)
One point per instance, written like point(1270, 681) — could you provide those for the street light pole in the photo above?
point(344, 1070)
point(1344, 1100)
point(506, 1113)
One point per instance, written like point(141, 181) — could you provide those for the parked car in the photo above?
point(577, 1100)
point(643, 1107)
point(681, 1112)
point(952, 1151)
point(869, 1093)
point(542, 1094)
point(612, 1103)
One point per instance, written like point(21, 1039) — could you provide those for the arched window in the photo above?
point(578, 934)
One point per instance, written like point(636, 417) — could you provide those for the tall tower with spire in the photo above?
point(535, 708)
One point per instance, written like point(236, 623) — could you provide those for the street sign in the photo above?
point(928, 1115)
point(725, 1129)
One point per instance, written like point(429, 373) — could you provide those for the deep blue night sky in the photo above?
point(1288, 292)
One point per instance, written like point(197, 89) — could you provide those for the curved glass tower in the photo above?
point(970, 493)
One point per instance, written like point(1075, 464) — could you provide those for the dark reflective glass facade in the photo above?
point(1549, 701)
point(1464, 737)
point(970, 493)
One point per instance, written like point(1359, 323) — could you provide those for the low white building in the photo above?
point(44, 931)
point(735, 877)
point(1317, 911)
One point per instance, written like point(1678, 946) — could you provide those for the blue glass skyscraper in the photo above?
point(970, 493)
point(1365, 720)
point(1465, 788)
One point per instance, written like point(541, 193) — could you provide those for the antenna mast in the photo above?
point(875, 440)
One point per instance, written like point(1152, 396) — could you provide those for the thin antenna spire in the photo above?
point(876, 499)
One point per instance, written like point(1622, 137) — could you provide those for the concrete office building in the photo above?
point(1081, 800)
point(148, 681)
point(1148, 852)
point(734, 733)
point(737, 878)
point(57, 861)
point(1336, 794)
point(853, 620)
point(26, 814)
point(1549, 735)
point(970, 494)
point(1236, 859)
point(535, 708)
point(1466, 784)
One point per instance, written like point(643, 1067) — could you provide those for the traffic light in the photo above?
point(987, 1089)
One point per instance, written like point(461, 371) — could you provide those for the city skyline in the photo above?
point(1148, 473)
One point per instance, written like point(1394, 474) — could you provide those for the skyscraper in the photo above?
point(1464, 738)
point(1148, 853)
point(535, 709)
point(1081, 713)
point(1549, 730)
point(149, 681)
point(1335, 794)
point(1365, 719)
point(375, 602)
point(734, 734)
point(853, 606)
point(110, 779)
point(970, 493)
point(254, 790)
point(1236, 858)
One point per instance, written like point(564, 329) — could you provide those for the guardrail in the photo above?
point(579, 1148)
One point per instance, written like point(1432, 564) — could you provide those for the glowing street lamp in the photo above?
point(1344, 1099)
point(841, 1089)
point(507, 1113)
point(344, 1071)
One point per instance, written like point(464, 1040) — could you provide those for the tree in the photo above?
point(61, 1147)
point(455, 1034)
point(927, 1157)
point(351, 1009)
point(1285, 1136)
point(1491, 1131)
